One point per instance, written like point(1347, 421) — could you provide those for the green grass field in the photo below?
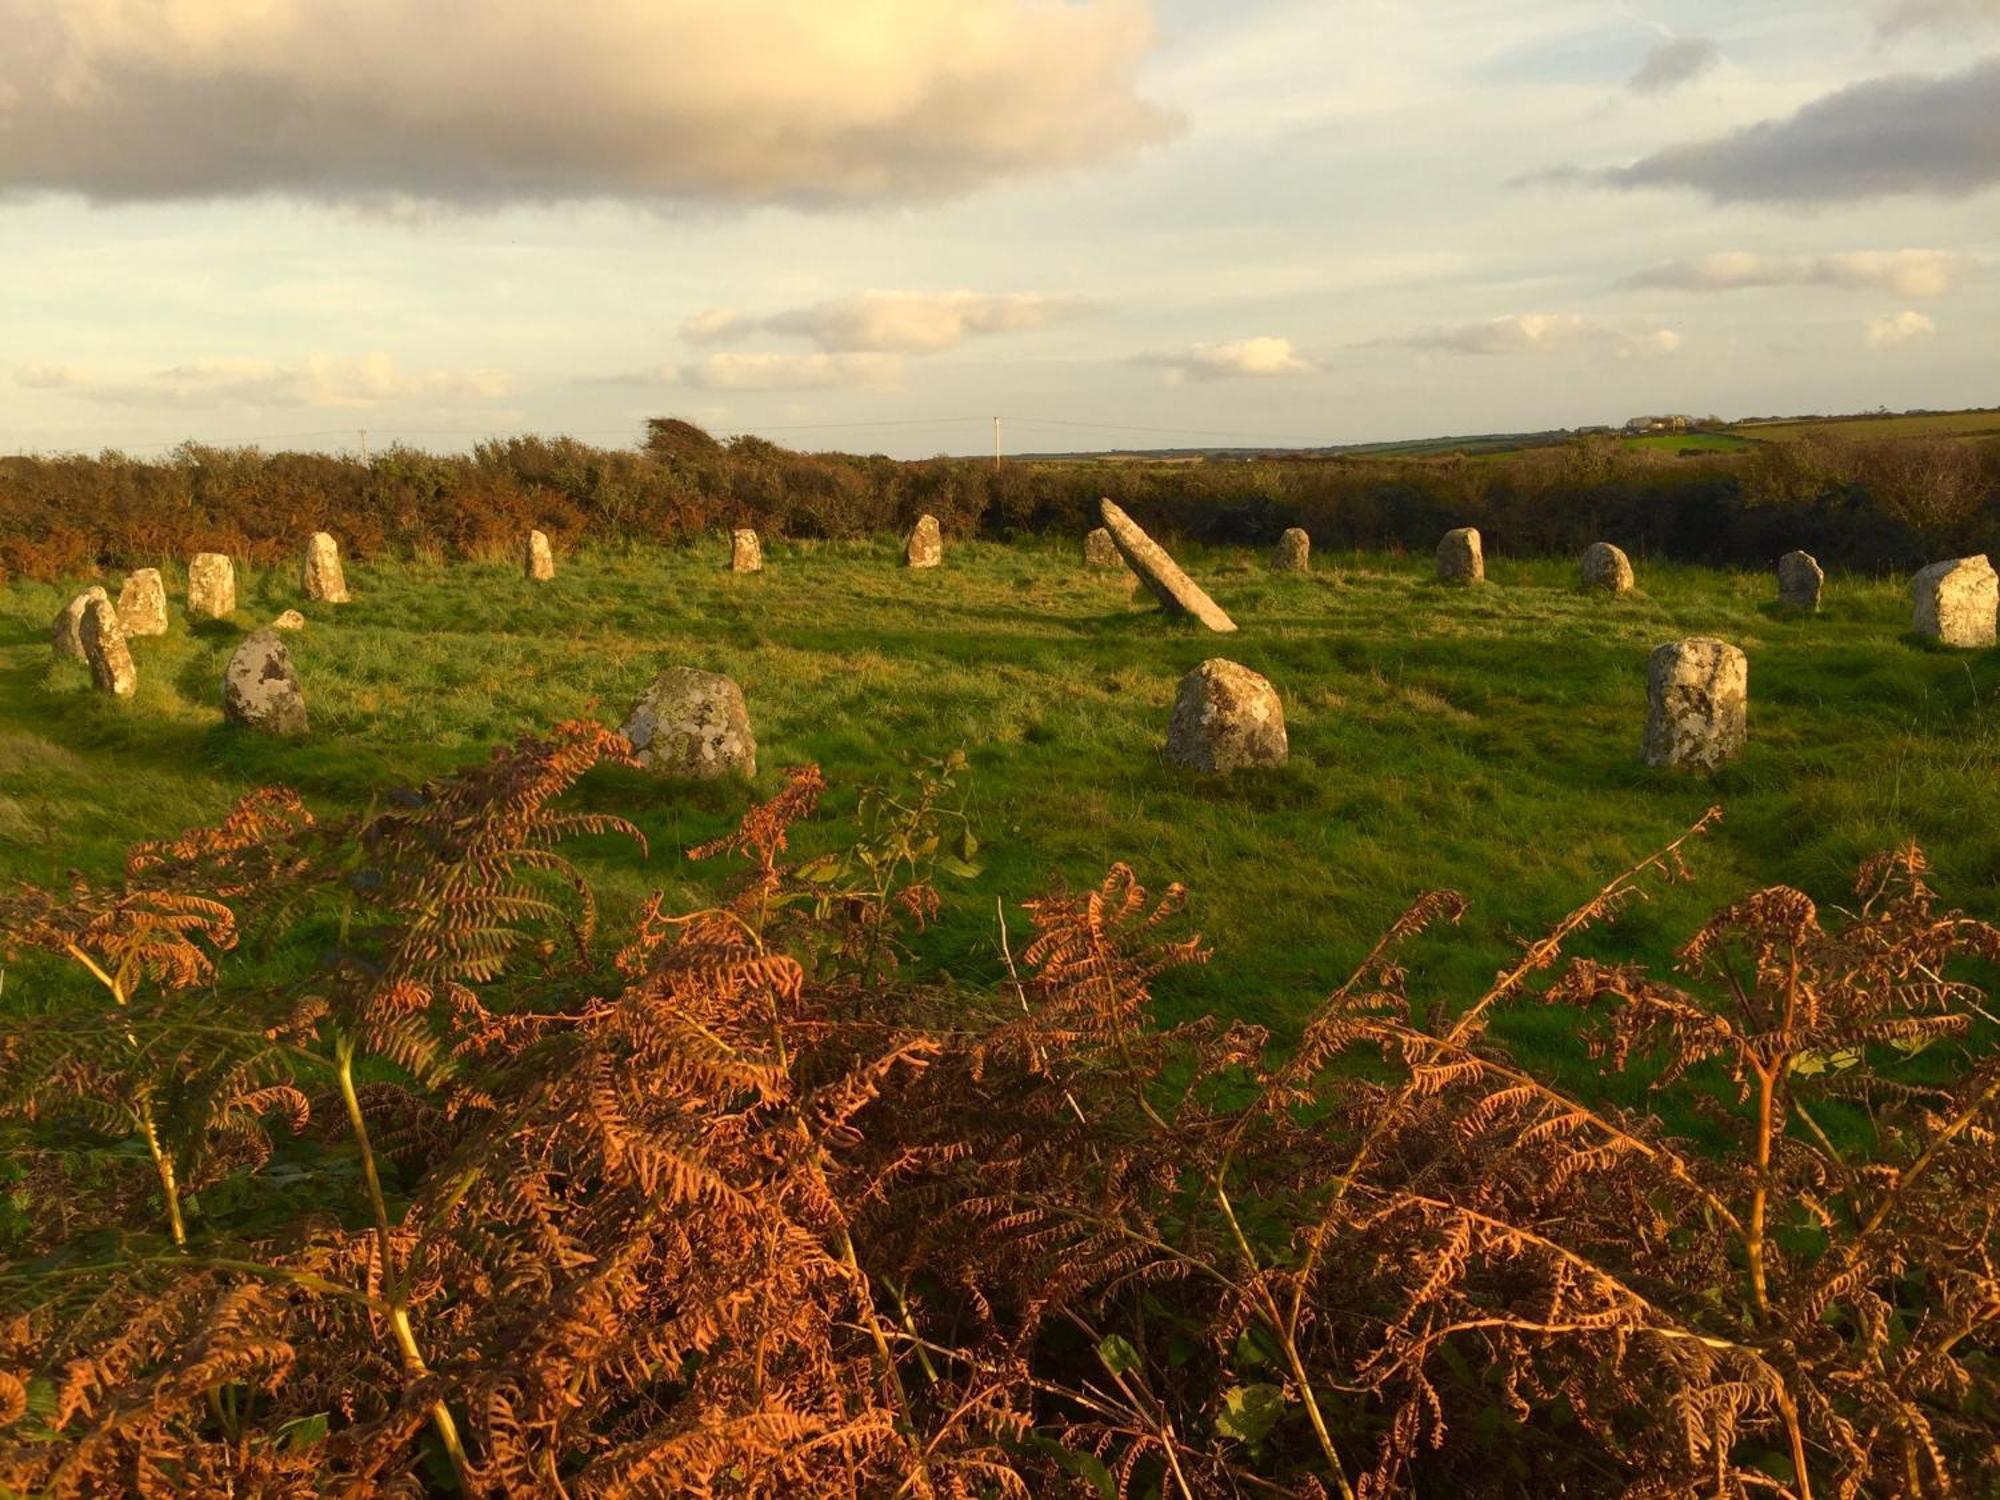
point(1484, 740)
point(1872, 429)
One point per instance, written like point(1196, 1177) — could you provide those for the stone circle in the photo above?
point(1605, 567)
point(104, 649)
point(925, 545)
point(1697, 710)
point(1293, 554)
point(693, 725)
point(211, 586)
point(142, 603)
point(1177, 593)
point(260, 688)
point(323, 579)
point(1461, 558)
point(1226, 717)
point(1956, 602)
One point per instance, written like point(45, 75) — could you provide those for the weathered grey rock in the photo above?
point(104, 649)
point(1605, 567)
point(1800, 579)
point(291, 619)
point(1099, 551)
point(142, 603)
point(693, 725)
point(211, 586)
point(67, 636)
point(324, 579)
point(1461, 558)
point(746, 553)
point(925, 547)
point(1698, 698)
point(1293, 554)
point(260, 690)
point(1226, 717)
point(1957, 602)
point(540, 562)
point(1178, 594)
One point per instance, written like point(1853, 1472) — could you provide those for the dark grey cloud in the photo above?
point(1674, 60)
point(1929, 135)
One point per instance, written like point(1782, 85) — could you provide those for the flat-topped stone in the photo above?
point(260, 688)
point(211, 586)
point(66, 637)
point(105, 651)
point(1461, 557)
point(1293, 554)
point(1697, 704)
point(1800, 579)
point(323, 578)
point(539, 561)
point(1099, 551)
point(1226, 717)
point(142, 603)
point(746, 553)
point(1177, 593)
point(291, 619)
point(693, 725)
point(1956, 602)
point(925, 546)
point(1605, 567)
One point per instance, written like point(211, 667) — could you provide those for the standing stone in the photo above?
point(1698, 696)
point(1099, 551)
point(693, 725)
point(1293, 554)
point(1460, 557)
point(291, 619)
point(259, 688)
point(925, 547)
point(111, 669)
point(1605, 567)
point(1957, 602)
point(323, 578)
point(540, 562)
point(142, 603)
point(1226, 717)
point(1178, 594)
point(211, 586)
point(67, 637)
point(1800, 578)
point(746, 553)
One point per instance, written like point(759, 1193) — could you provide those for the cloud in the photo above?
point(1674, 60)
point(1545, 333)
point(712, 324)
point(1908, 273)
point(319, 381)
point(1940, 15)
point(795, 372)
point(917, 322)
point(1898, 328)
point(1264, 357)
point(1909, 134)
point(483, 102)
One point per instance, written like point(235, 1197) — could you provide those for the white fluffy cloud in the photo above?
point(1908, 273)
point(916, 322)
point(1262, 357)
point(491, 101)
point(712, 324)
point(795, 372)
point(1545, 333)
point(1897, 328)
point(319, 381)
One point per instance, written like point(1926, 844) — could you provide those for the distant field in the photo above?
point(1689, 442)
point(1485, 740)
point(1935, 424)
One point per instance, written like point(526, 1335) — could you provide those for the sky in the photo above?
point(876, 225)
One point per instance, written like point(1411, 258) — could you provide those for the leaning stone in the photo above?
point(211, 586)
point(1605, 567)
point(1461, 558)
point(925, 547)
point(540, 561)
point(324, 579)
point(1957, 602)
point(1698, 694)
point(693, 725)
point(67, 636)
point(260, 690)
point(1800, 579)
point(142, 603)
point(1178, 594)
point(746, 553)
point(1293, 553)
point(1226, 717)
point(291, 619)
point(1099, 551)
point(104, 648)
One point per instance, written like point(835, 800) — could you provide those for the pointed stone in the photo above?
point(1697, 699)
point(1226, 717)
point(260, 689)
point(1293, 553)
point(142, 604)
point(1461, 558)
point(925, 547)
point(693, 725)
point(1956, 603)
point(67, 635)
point(211, 586)
point(323, 578)
point(746, 553)
point(1605, 567)
point(1178, 594)
point(1800, 579)
point(540, 562)
point(104, 649)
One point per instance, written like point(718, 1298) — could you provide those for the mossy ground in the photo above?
point(1482, 739)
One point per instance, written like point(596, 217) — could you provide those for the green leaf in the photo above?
point(1250, 1349)
point(1086, 1466)
point(302, 1432)
point(820, 871)
point(968, 844)
point(951, 864)
point(1119, 1357)
point(1249, 1412)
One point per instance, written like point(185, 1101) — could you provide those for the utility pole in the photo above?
point(996, 442)
point(364, 446)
